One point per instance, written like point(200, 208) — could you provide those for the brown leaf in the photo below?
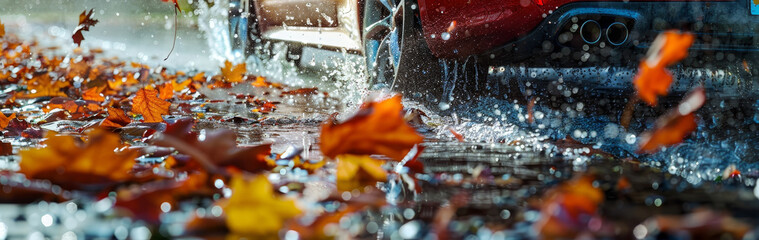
point(378, 128)
point(77, 108)
point(149, 105)
point(116, 119)
point(2, 29)
point(85, 22)
point(97, 163)
point(5, 120)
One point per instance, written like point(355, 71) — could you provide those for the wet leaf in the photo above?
point(357, 171)
point(704, 223)
point(653, 79)
point(93, 94)
point(233, 73)
point(166, 91)
point(673, 127)
point(254, 199)
point(149, 105)
point(99, 162)
point(42, 85)
point(377, 128)
point(5, 120)
point(144, 201)
point(567, 208)
point(85, 22)
point(2, 29)
point(116, 119)
point(217, 148)
point(77, 108)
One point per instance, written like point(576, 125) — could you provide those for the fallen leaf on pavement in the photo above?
point(149, 105)
point(377, 128)
point(567, 208)
point(357, 171)
point(116, 119)
point(65, 161)
point(254, 199)
point(233, 73)
point(5, 120)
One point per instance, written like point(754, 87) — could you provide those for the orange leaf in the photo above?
point(99, 162)
point(77, 108)
point(85, 22)
point(149, 105)
point(567, 208)
point(378, 128)
point(178, 87)
point(5, 120)
point(2, 29)
point(44, 86)
point(116, 119)
point(233, 73)
point(166, 91)
point(673, 127)
point(653, 79)
point(93, 94)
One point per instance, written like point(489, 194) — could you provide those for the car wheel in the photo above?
point(396, 54)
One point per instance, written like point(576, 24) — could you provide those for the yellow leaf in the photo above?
point(254, 211)
point(356, 171)
point(233, 73)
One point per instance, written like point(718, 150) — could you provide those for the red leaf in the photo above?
point(653, 79)
point(85, 22)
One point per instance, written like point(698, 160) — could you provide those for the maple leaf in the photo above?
point(99, 162)
point(43, 85)
point(356, 171)
point(653, 79)
point(233, 73)
point(673, 127)
point(85, 22)
point(149, 105)
point(166, 91)
point(116, 119)
point(93, 94)
point(215, 149)
point(255, 199)
point(377, 128)
point(5, 120)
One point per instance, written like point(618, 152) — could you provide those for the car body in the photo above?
point(410, 33)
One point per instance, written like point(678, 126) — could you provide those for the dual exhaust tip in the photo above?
point(616, 33)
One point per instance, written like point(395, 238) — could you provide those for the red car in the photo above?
point(420, 40)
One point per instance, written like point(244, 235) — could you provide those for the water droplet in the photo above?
point(445, 36)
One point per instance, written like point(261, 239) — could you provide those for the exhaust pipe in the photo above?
point(590, 32)
point(617, 33)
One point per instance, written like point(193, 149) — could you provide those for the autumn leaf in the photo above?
point(377, 128)
point(93, 94)
point(97, 163)
point(2, 29)
point(166, 91)
point(145, 201)
point(233, 73)
point(77, 108)
point(356, 171)
point(85, 22)
point(653, 79)
point(673, 127)
point(116, 119)
point(43, 85)
point(568, 207)
point(255, 199)
point(215, 149)
point(149, 105)
point(5, 120)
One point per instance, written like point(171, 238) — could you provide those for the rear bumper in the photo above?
point(722, 29)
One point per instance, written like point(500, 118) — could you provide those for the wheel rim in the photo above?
point(383, 41)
